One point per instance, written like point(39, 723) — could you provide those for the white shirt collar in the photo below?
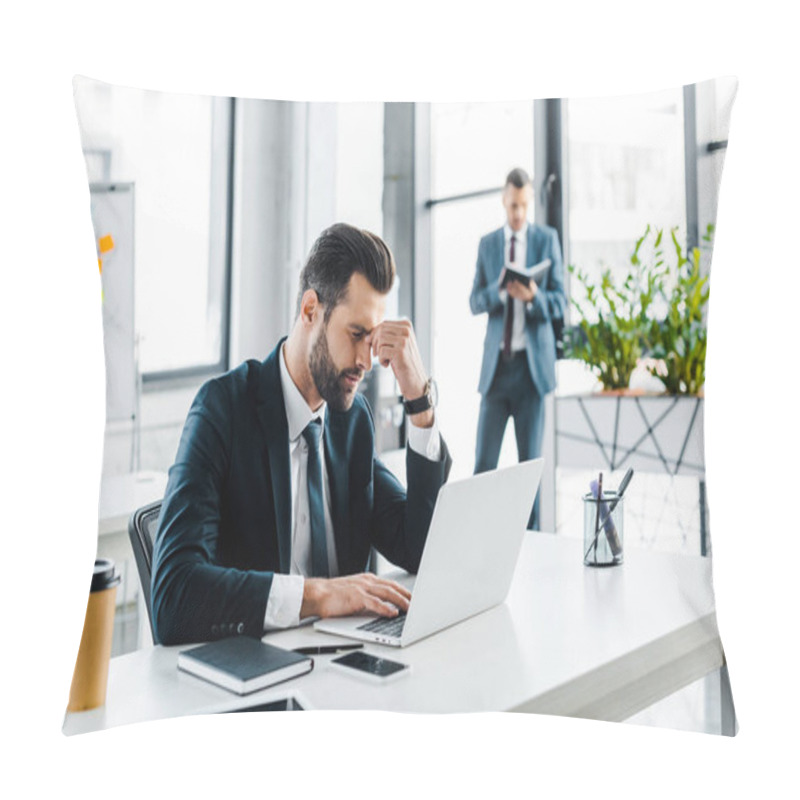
point(520, 234)
point(298, 412)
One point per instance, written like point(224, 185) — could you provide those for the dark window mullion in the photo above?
point(551, 189)
point(690, 166)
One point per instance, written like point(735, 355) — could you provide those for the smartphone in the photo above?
point(377, 670)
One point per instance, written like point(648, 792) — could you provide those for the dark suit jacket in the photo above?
point(225, 522)
point(549, 304)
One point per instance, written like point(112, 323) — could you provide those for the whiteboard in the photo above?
point(112, 207)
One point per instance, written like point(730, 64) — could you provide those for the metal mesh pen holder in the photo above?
point(602, 530)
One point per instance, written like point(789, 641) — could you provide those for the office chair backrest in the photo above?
point(142, 527)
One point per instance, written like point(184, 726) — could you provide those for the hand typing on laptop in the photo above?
point(353, 594)
point(462, 571)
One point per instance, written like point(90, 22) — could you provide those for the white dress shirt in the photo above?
point(520, 253)
point(286, 595)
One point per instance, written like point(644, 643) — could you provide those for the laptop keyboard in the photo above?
point(386, 626)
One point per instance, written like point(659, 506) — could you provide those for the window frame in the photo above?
point(551, 174)
point(220, 249)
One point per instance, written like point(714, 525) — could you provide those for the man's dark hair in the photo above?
point(518, 178)
point(338, 252)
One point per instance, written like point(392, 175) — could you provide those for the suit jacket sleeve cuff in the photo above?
point(426, 441)
point(283, 604)
point(537, 308)
point(497, 297)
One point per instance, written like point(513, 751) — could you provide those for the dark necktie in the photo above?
point(508, 321)
point(319, 548)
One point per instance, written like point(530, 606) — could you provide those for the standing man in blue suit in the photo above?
point(276, 494)
point(519, 351)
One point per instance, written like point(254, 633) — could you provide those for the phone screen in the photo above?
point(372, 665)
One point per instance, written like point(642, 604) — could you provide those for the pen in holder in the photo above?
point(602, 527)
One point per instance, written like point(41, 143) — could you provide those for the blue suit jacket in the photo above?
point(549, 304)
point(225, 522)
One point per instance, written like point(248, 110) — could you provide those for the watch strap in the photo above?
point(420, 404)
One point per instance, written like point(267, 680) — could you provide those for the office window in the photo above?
point(359, 164)
point(626, 170)
point(473, 147)
point(175, 149)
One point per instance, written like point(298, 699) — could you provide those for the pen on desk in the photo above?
point(326, 649)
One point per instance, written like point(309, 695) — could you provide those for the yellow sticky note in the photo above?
point(100, 265)
point(106, 243)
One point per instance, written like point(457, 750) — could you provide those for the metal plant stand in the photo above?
point(651, 433)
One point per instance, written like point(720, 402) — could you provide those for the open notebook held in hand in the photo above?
point(469, 558)
point(537, 273)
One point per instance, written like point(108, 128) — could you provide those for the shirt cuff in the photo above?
point(284, 601)
point(426, 441)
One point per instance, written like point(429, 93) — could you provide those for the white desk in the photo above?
point(569, 640)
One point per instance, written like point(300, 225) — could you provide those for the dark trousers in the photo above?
point(512, 394)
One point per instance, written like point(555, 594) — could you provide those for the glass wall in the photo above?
point(624, 158)
point(174, 148)
point(626, 171)
point(473, 147)
point(359, 165)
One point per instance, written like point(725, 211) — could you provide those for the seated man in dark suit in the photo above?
point(276, 494)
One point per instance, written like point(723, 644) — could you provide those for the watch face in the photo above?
point(433, 392)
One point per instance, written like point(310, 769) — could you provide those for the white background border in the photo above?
point(52, 385)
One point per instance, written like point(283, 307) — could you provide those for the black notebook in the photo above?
point(243, 664)
point(537, 273)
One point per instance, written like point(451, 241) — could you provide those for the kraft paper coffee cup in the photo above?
point(90, 678)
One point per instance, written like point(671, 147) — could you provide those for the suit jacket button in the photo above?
point(240, 627)
point(214, 630)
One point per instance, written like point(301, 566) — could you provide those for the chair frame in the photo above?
point(142, 544)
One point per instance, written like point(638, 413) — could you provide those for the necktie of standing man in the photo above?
point(319, 548)
point(508, 321)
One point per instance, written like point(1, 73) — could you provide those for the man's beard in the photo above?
point(327, 378)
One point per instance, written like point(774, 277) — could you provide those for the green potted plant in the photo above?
point(679, 340)
point(613, 343)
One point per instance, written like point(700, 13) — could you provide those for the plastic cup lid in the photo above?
point(104, 575)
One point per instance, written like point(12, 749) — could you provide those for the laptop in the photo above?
point(469, 558)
